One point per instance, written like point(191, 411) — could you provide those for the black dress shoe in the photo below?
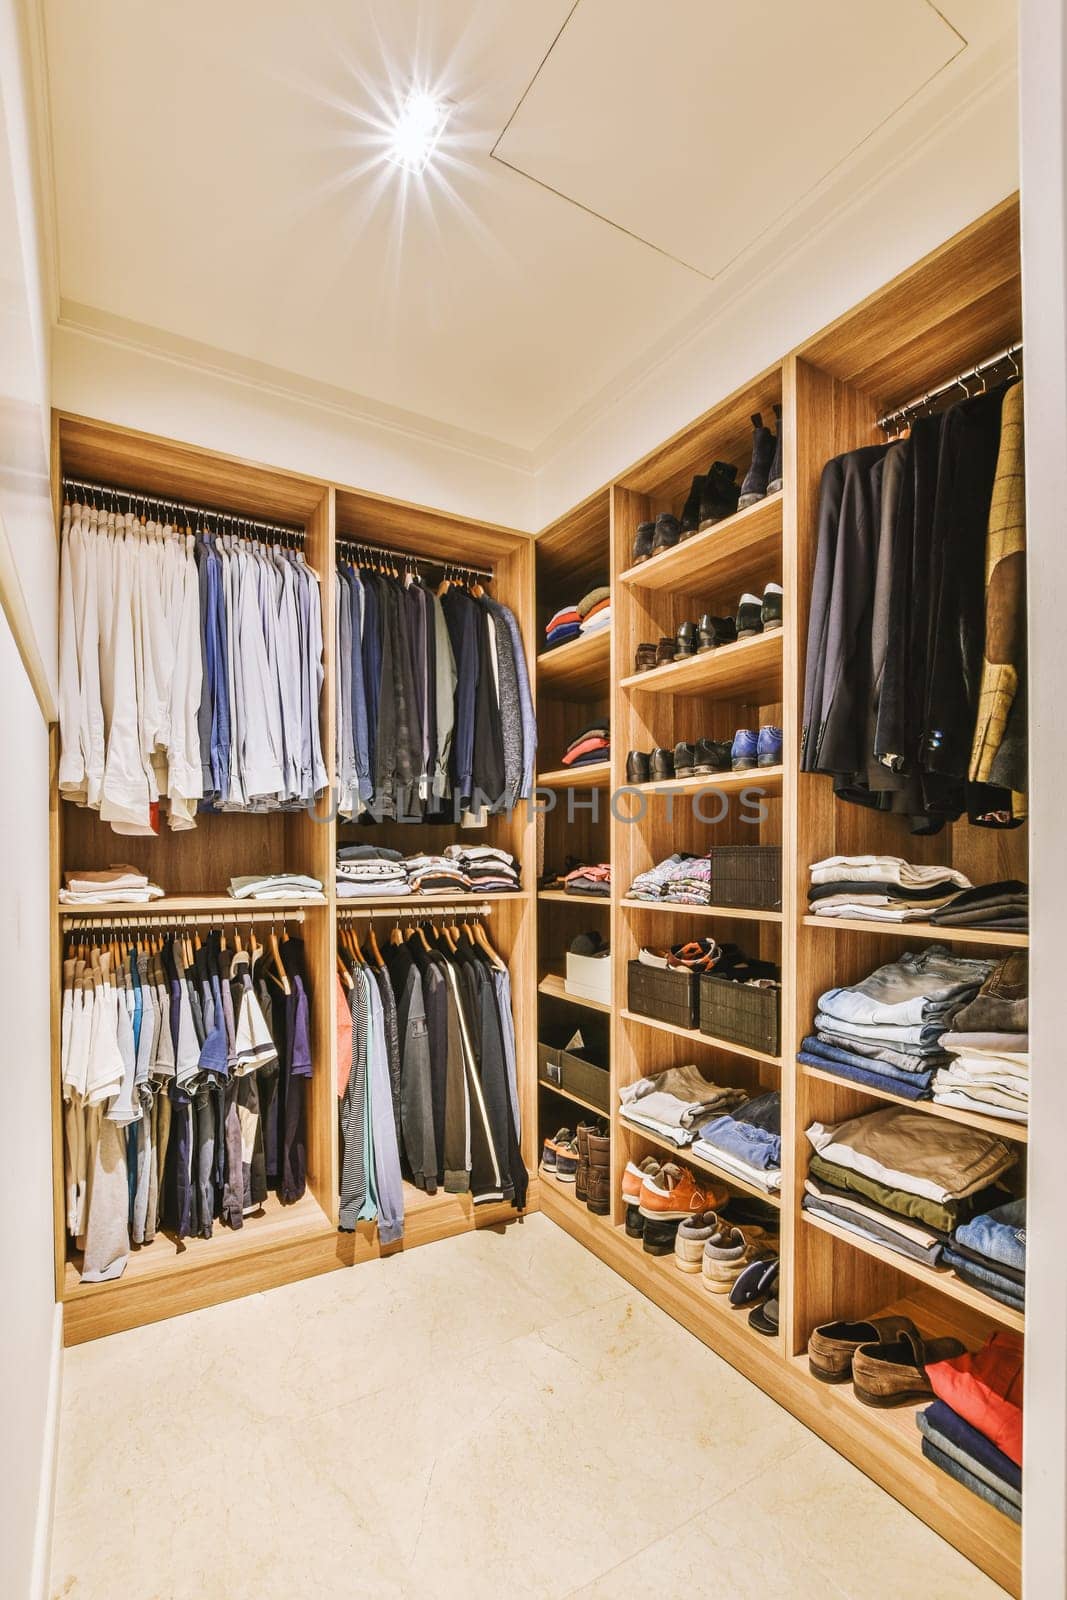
point(771, 610)
point(714, 631)
point(691, 510)
point(662, 764)
point(643, 541)
point(712, 755)
point(719, 499)
point(645, 659)
point(664, 652)
point(774, 481)
point(755, 485)
point(638, 767)
point(749, 616)
point(686, 641)
point(684, 756)
point(668, 532)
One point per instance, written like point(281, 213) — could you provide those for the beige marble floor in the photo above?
point(495, 1415)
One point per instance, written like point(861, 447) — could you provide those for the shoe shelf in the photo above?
point(696, 1037)
point(740, 913)
point(943, 1279)
point(1003, 1127)
point(554, 984)
point(596, 775)
point(1005, 938)
point(767, 780)
point(741, 549)
point(569, 1094)
point(686, 1156)
point(749, 671)
point(560, 897)
point(581, 666)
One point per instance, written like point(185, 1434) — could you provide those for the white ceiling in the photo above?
point(219, 176)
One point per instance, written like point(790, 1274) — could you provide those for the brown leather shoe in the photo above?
point(664, 652)
point(894, 1374)
point(598, 1199)
point(581, 1177)
point(645, 659)
point(831, 1347)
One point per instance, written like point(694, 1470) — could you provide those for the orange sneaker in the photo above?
point(674, 1193)
point(634, 1176)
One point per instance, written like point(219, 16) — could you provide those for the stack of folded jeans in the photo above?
point(592, 744)
point(988, 1069)
point(565, 624)
point(991, 905)
point(886, 1032)
point(594, 609)
point(591, 880)
point(674, 1103)
point(369, 871)
point(488, 870)
point(989, 1253)
point(881, 888)
point(974, 1429)
point(682, 879)
point(902, 1178)
point(748, 1143)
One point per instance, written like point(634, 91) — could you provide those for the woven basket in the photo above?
point(747, 875)
point(740, 1013)
point(665, 993)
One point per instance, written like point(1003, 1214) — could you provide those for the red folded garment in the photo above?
point(986, 1389)
point(586, 746)
point(567, 615)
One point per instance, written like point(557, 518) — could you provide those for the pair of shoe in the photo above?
point(659, 1196)
point(755, 614)
point(764, 475)
point(751, 749)
point(885, 1358)
point(584, 1159)
point(705, 757)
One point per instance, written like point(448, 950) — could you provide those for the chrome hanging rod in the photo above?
point(419, 912)
point(894, 420)
point(147, 918)
point(155, 502)
point(407, 558)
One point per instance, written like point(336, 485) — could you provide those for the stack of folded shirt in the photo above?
point(902, 1178)
point(887, 1032)
point(991, 905)
point(488, 869)
point(594, 609)
point(275, 886)
point(747, 1144)
point(989, 1253)
point(368, 872)
point(988, 1069)
point(674, 1103)
point(441, 875)
point(117, 886)
point(566, 624)
point(881, 888)
point(589, 880)
point(592, 744)
point(974, 1429)
point(682, 879)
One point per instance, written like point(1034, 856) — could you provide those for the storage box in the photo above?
point(669, 994)
point(589, 977)
point(740, 1012)
point(577, 1065)
point(748, 875)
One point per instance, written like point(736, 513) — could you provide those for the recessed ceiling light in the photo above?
point(419, 125)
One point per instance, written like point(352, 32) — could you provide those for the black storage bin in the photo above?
point(741, 1013)
point(583, 1072)
point(748, 875)
point(665, 993)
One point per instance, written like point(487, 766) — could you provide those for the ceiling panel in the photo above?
point(695, 126)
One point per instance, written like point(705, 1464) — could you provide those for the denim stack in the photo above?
point(989, 1252)
point(747, 1144)
point(974, 1429)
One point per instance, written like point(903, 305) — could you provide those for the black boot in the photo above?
point(719, 497)
point(755, 485)
point(666, 534)
point(691, 510)
point(643, 541)
point(774, 482)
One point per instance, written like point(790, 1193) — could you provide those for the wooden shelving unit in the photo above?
point(749, 671)
point(680, 908)
point(1004, 938)
point(554, 986)
point(581, 666)
point(736, 551)
point(766, 779)
point(1003, 1127)
point(594, 775)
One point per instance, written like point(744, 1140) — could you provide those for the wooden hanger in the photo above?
point(276, 957)
point(343, 972)
point(481, 938)
point(376, 954)
point(396, 937)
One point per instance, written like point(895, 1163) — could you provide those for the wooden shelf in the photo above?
point(766, 779)
point(697, 1037)
point(741, 550)
point(461, 897)
point(686, 1155)
point(1007, 938)
point(569, 1094)
point(1003, 1127)
point(581, 665)
point(169, 905)
point(943, 1279)
point(749, 671)
point(560, 897)
point(553, 984)
point(741, 913)
point(597, 775)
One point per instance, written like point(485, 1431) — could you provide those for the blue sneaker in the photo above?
point(744, 750)
point(769, 747)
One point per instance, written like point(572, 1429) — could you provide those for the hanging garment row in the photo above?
point(184, 1063)
point(426, 1071)
point(435, 717)
point(190, 668)
point(915, 689)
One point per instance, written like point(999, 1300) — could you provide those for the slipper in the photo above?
point(746, 1286)
point(764, 1318)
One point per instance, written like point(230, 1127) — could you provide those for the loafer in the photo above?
point(744, 752)
point(684, 757)
point(749, 616)
point(690, 522)
point(668, 531)
point(643, 541)
point(754, 487)
point(662, 765)
point(714, 631)
point(645, 659)
point(712, 755)
point(685, 642)
point(771, 609)
point(774, 480)
point(664, 652)
point(719, 495)
point(894, 1374)
point(638, 767)
point(832, 1346)
point(768, 746)
point(693, 1234)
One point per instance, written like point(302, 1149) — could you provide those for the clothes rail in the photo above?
point(895, 419)
point(175, 919)
point(417, 912)
point(135, 498)
point(407, 558)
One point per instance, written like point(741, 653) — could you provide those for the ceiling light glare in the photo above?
point(419, 125)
